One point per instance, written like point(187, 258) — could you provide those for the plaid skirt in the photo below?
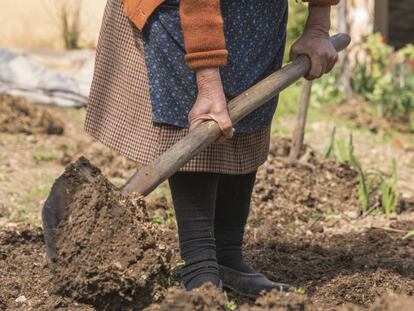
point(119, 112)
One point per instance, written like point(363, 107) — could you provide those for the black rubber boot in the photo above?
point(249, 284)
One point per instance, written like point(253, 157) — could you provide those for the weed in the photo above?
point(365, 186)
point(45, 155)
point(409, 235)
point(158, 219)
point(231, 305)
point(330, 151)
point(387, 187)
point(300, 290)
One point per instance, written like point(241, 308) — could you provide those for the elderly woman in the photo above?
point(162, 68)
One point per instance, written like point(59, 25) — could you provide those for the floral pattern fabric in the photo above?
point(255, 32)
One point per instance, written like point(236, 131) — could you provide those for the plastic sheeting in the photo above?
point(22, 75)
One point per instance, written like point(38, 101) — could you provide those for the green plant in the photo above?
point(409, 235)
point(380, 75)
point(327, 90)
point(388, 190)
point(330, 151)
point(45, 155)
point(231, 305)
point(296, 23)
point(387, 187)
point(158, 219)
point(365, 186)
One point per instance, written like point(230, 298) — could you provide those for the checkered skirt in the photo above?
point(119, 112)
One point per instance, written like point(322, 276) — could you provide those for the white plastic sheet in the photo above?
point(20, 75)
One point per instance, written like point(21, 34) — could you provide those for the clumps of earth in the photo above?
point(17, 115)
point(111, 255)
point(108, 252)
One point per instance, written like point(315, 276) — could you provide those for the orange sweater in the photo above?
point(202, 25)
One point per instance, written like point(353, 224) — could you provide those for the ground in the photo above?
point(306, 227)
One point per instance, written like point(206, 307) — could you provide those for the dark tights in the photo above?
point(211, 211)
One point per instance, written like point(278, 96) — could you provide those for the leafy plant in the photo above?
point(388, 190)
point(365, 186)
point(380, 75)
point(387, 187)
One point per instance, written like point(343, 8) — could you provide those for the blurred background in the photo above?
point(46, 64)
point(332, 214)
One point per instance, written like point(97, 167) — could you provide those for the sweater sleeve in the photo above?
point(323, 2)
point(203, 30)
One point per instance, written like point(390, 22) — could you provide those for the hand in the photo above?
point(211, 103)
point(314, 42)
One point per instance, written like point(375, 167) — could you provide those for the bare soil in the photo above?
point(17, 115)
point(305, 228)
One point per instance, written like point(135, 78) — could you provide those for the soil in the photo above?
point(25, 275)
point(206, 298)
point(305, 228)
point(114, 258)
point(17, 115)
point(361, 112)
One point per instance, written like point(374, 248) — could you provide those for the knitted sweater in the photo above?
point(202, 26)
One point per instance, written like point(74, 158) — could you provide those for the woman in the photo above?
point(162, 68)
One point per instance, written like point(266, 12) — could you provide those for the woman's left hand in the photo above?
point(314, 42)
point(322, 54)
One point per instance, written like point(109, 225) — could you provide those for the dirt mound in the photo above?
point(311, 187)
point(17, 115)
point(25, 277)
point(276, 301)
point(206, 298)
point(388, 302)
point(109, 253)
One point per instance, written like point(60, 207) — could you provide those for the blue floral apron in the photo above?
point(255, 32)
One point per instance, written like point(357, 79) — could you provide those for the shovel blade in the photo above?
point(60, 199)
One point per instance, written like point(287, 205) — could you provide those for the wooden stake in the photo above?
point(299, 132)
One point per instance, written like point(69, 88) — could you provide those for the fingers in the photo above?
point(225, 125)
point(223, 121)
point(321, 53)
point(321, 63)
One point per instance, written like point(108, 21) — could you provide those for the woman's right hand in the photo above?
point(211, 102)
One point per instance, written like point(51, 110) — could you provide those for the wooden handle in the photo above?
point(145, 180)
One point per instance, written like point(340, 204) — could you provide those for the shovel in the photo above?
point(146, 179)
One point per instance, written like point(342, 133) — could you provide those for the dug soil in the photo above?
point(304, 229)
point(17, 115)
point(108, 251)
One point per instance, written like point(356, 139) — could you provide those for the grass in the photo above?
point(43, 155)
point(338, 149)
point(25, 205)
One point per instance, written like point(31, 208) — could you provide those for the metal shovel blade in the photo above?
point(61, 197)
